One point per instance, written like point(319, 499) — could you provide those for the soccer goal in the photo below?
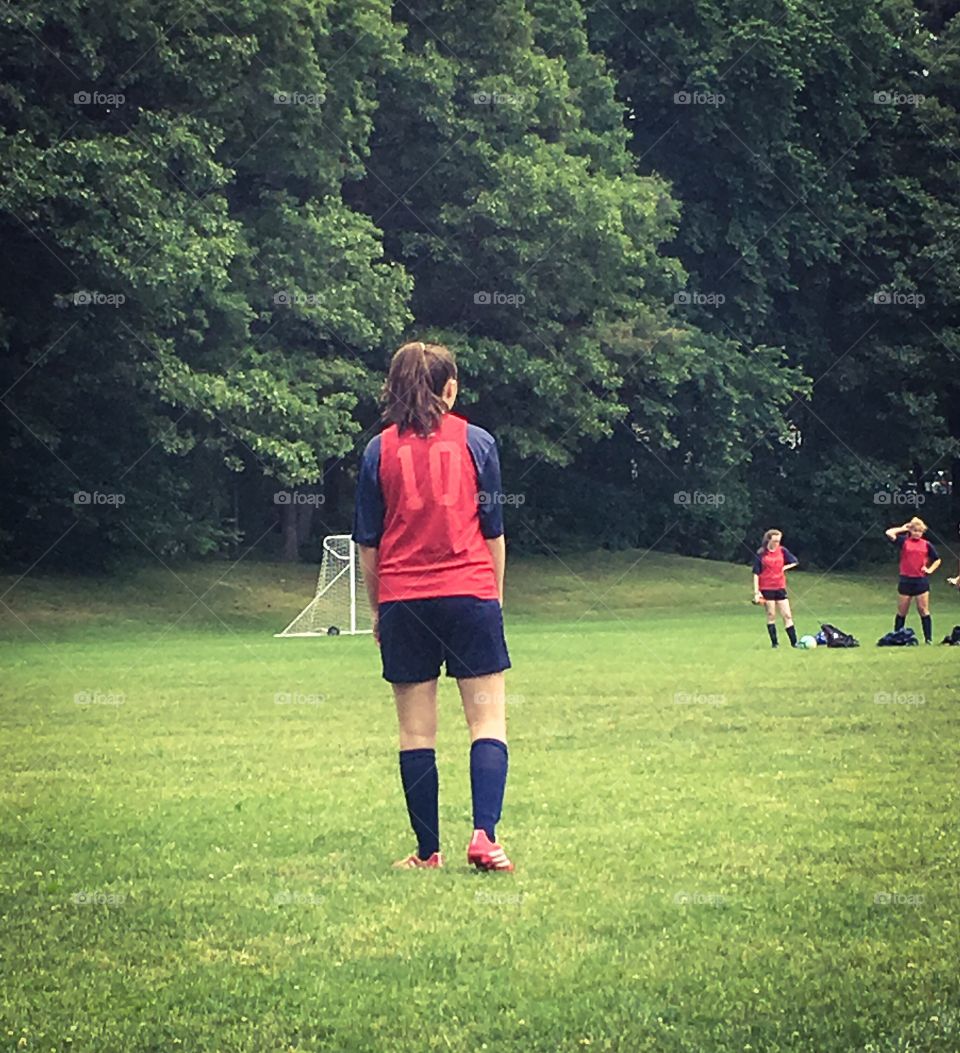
point(340, 605)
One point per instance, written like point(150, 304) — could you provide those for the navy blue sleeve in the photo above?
point(932, 556)
point(899, 540)
point(789, 557)
point(368, 508)
point(483, 450)
point(757, 565)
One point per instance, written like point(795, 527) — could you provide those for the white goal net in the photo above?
point(340, 605)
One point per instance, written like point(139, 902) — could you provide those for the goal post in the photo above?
point(339, 606)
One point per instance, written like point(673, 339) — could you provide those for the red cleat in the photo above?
point(414, 862)
point(485, 854)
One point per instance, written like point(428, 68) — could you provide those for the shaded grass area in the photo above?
point(719, 847)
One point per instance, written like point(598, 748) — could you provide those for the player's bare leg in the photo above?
point(417, 714)
point(484, 706)
point(783, 606)
point(903, 606)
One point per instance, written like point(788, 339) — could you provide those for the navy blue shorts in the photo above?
point(773, 594)
point(913, 586)
point(417, 636)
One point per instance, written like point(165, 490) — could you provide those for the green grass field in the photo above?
point(719, 847)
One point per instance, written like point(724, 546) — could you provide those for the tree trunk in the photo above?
point(288, 529)
point(304, 522)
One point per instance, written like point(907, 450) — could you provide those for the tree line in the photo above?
point(698, 264)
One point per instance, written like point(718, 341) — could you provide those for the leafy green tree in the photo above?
point(809, 192)
point(185, 164)
point(501, 178)
point(673, 249)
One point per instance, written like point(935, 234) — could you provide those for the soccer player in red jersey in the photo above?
point(918, 559)
point(429, 524)
point(770, 565)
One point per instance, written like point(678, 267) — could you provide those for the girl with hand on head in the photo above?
point(918, 560)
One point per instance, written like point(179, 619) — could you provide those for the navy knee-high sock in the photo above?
point(772, 630)
point(792, 633)
point(898, 622)
point(926, 621)
point(488, 777)
point(421, 788)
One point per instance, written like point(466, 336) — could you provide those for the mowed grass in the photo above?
point(719, 847)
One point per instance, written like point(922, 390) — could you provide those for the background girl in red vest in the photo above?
point(429, 523)
point(918, 559)
point(770, 565)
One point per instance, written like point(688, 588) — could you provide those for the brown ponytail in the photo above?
point(411, 395)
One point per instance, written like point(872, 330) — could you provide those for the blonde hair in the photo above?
point(411, 394)
point(917, 521)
